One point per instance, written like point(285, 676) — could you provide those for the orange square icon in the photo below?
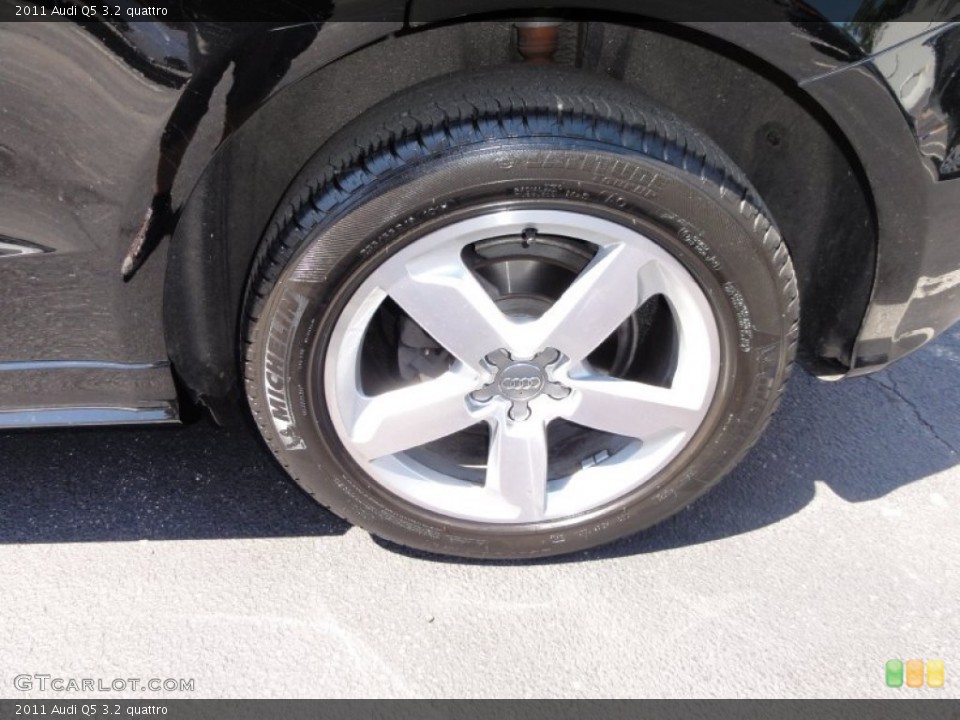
point(914, 673)
point(935, 673)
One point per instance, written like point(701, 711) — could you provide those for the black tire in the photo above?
point(512, 135)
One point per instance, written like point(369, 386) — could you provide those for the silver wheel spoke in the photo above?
point(618, 280)
point(412, 416)
point(633, 409)
point(441, 294)
point(517, 467)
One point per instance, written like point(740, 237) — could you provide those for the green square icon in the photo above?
point(894, 673)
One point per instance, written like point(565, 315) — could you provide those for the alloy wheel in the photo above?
point(503, 353)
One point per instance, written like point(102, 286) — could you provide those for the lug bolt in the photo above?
point(520, 413)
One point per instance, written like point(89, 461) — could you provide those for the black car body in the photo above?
point(848, 125)
point(868, 151)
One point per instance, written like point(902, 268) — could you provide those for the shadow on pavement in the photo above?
point(155, 484)
point(862, 438)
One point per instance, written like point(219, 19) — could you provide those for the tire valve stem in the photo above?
point(528, 236)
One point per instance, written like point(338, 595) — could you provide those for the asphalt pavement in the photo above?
point(186, 554)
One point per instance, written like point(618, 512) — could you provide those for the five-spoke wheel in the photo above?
point(518, 371)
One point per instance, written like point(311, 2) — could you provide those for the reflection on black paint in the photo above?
point(946, 90)
point(260, 58)
point(129, 42)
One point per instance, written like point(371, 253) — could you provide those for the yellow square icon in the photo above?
point(914, 673)
point(935, 673)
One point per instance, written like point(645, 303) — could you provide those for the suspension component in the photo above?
point(537, 40)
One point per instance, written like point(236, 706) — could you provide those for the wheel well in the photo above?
point(799, 161)
point(790, 149)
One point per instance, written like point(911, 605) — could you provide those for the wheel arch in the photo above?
point(226, 214)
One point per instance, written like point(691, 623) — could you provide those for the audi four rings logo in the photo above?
point(521, 383)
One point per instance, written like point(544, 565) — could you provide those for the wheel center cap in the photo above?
point(520, 381)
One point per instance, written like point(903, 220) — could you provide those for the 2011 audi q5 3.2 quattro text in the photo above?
point(502, 285)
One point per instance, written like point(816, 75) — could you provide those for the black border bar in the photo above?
point(422, 11)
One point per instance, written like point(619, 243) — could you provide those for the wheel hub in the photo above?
point(520, 381)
